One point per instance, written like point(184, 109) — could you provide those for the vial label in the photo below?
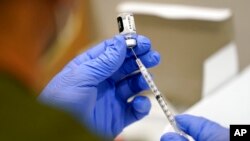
point(120, 24)
point(126, 24)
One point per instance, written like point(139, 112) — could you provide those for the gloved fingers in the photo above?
point(138, 108)
point(131, 86)
point(143, 46)
point(173, 137)
point(94, 71)
point(150, 59)
point(95, 51)
point(202, 129)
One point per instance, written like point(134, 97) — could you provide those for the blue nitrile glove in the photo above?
point(92, 86)
point(199, 128)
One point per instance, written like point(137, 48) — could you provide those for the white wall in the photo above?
point(104, 14)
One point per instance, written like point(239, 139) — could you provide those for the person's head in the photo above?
point(27, 28)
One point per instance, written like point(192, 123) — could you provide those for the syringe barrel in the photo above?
point(162, 102)
point(146, 75)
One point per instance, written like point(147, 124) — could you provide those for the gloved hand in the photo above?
point(199, 128)
point(95, 86)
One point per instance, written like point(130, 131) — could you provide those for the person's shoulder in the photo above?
point(24, 118)
point(59, 124)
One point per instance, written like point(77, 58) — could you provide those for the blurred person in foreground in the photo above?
point(26, 28)
point(93, 89)
point(84, 88)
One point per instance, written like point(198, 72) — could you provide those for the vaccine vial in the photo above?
point(126, 25)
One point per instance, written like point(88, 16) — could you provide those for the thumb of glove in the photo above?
point(103, 66)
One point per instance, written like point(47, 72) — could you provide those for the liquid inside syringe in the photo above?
point(146, 75)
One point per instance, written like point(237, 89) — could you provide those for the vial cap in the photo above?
point(131, 43)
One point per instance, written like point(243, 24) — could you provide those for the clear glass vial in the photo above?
point(126, 25)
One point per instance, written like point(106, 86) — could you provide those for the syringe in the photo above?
point(146, 75)
point(126, 27)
